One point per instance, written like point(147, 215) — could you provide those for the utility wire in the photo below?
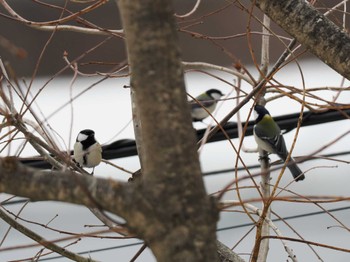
point(209, 173)
point(218, 230)
point(97, 250)
point(127, 147)
point(227, 170)
point(288, 217)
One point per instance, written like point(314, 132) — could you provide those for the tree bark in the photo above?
point(172, 183)
point(313, 30)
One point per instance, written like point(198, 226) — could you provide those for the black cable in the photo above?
point(118, 149)
point(285, 122)
point(127, 147)
point(218, 230)
point(13, 202)
point(209, 173)
point(97, 250)
point(227, 170)
point(289, 217)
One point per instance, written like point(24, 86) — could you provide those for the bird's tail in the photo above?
point(295, 170)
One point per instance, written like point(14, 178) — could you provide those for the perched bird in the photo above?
point(87, 151)
point(209, 100)
point(268, 136)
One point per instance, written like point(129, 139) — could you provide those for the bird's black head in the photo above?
point(86, 137)
point(214, 93)
point(260, 112)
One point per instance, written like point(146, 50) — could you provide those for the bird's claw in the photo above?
point(264, 158)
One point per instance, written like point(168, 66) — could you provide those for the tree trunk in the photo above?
point(171, 177)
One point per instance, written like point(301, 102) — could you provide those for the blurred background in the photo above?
point(225, 21)
point(216, 34)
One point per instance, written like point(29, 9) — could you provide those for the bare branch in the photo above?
point(194, 9)
point(313, 30)
point(226, 254)
point(56, 25)
point(269, 223)
point(207, 66)
point(67, 186)
point(48, 244)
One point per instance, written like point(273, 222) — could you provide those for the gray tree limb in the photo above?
point(65, 186)
point(184, 214)
point(38, 185)
point(226, 254)
point(313, 30)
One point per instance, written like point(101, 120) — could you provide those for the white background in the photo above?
point(106, 109)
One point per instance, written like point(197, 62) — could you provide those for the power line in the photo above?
point(289, 217)
point(13, 202)
point(250, 224)
point(127, 147)
point(209, 173)
point(227, 170)
point(97, 250)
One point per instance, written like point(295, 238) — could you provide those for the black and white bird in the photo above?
point(87, 151)
point(268, 136)
point(209, 100)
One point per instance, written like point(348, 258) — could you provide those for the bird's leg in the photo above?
point(92, 173)
point(264, 157)
point(265, 170)
point(76, 163)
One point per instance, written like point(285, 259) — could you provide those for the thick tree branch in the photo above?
point(67, 186)
point(185, 215)
point(319, 35)
point(38, 185)
point(226, 255)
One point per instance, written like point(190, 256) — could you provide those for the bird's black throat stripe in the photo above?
point(259, 118)
point(88, 142)
point(85, 159)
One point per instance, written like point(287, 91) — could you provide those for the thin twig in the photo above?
point(49, 245)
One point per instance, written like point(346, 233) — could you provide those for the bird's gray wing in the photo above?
point(281, 149)
point(204, 100)
point(276, 142)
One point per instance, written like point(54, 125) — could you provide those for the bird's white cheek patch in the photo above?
point(216, 96)
point(82, 137)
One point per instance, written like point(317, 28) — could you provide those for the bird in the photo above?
point(207, 99)
point(268, 136)
point(87, 151)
